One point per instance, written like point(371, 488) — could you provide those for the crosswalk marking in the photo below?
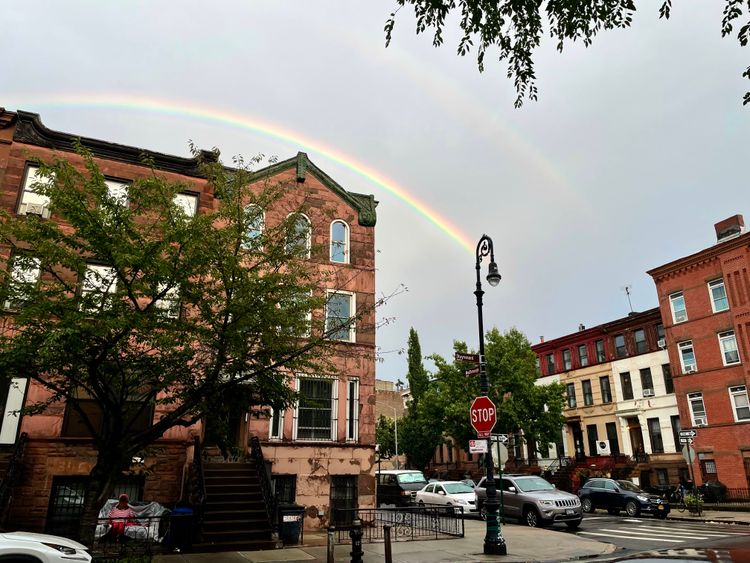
point(631, 537)
point(708, 532)
point(697, 536)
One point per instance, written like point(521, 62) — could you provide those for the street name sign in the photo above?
point(483, 416)
point(472, 371)
point(688, 433)
point(477, 446)
point(461, 357)
point(684, 440)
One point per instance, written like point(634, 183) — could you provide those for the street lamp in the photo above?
point(494, 543)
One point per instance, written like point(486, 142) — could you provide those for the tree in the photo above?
point(420, 431)
point(385, 436)
point(184, 316)
point(515, 29)
point(417, 375)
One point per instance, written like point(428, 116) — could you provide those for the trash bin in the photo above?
point(181, 528)
point(291, 523)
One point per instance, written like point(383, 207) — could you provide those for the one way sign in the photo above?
point(688, 433)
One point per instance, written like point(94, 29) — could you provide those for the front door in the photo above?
point(224, 431)
point(636, 436)
point(575, 429)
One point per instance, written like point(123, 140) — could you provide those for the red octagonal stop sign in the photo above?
point(483, 416)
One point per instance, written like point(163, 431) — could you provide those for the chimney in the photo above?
point(581, 327)
point(541, 339)
point(729, 228)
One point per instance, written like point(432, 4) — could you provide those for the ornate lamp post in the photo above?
point(494, 543)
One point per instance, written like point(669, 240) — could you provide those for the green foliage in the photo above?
point(385, 436)
point(420, 431)
point(417, 376)
point(514, 29)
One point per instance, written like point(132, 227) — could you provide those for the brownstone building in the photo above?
point(705, 303)
point(321, 451)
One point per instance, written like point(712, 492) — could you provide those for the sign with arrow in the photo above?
point(461, 357)
point(688, 433)
point(686, 440)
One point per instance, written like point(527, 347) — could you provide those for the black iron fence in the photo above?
point(725, 498)
point(117, 538)
point(407, 523)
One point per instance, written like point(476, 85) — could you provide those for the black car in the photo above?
point(614, 496)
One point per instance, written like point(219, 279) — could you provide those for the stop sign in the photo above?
point(482, 415)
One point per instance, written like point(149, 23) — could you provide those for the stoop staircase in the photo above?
point(234, 514)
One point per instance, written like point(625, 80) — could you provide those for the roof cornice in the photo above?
point(699, 257)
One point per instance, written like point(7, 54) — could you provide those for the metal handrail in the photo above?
point(256, 452)
point(12, 475)
point(198, 485)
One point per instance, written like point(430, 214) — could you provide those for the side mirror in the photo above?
point(511, 489)
point(617, 489)
point(441, 493)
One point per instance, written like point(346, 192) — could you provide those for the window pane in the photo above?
point(338, 315)
point(647, 383)
point(299, 240)
point(719, 300)
point(571, 395)
point(583, 356)
point(606, 389)
point(668, 383)
point(255, 224)
point(566, 359)
point(338, 242)
point(588, 397)
point(23, 276)
point(315, 409)
point(640, 341)
point(187, 203)
point(620, 350)
point(677, 302)
point(627, 386)
point(687, 357)
point(118, 192)
point(600, 355)
point(729, 348)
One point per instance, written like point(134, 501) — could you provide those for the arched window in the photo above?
point(299, 237)
point(339, 242)
point(255, 222)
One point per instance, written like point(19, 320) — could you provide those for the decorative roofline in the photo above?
point(701, 256)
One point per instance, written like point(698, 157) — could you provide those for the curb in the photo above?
point(708, 520)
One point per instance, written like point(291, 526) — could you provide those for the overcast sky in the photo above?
point(636, 147)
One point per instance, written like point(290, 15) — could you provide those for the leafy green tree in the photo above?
point(187, 316)
point(385, 436)
point(418, 377)
point(420, 431)
point(514, 30)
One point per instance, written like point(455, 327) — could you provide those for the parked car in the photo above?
point(614, 496)
point(27, 546)
point(532, 500)
point(399, 487)
point(449, 493)
point(469, 482)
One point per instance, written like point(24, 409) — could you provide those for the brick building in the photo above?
point(318, 465)
point(705, 303)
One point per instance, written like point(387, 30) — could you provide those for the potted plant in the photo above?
point(694, 503)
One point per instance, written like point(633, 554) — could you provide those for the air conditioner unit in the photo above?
point(648, 392)
point(691, 369)
point(680, 317)
point(662, 343)
point(34, 209)
point(602, 447)
point(700, 421)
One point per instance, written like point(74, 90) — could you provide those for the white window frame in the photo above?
point(352, 315)
point(29, 196)
point(23, 276)
point(345, 242)
point(715, 284)
point(308, 240)
point(694, 397)
point(680, 347)
point(734, 393)
point(188, 203)
point(257, 230)
point(117, 191)
point(674, 297)
point(334, 410)
point(93, 279)
point(352, 408)
point(726, 337)
point(276, 414)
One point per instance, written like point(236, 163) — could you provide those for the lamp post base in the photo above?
point(495, 546)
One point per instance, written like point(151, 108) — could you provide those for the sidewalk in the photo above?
point(722, 516)
point(524, 545)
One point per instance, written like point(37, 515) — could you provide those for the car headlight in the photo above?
point(547, 502)
point(642, 498)
point(65, 550)
point(462, 501)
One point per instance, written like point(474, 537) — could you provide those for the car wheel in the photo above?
point(632, 508)
point(613, 511)
point(420, 504)
point(587, 505)
point(573, 525)
point(532, 518)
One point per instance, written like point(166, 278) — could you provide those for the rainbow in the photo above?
point(236, 120)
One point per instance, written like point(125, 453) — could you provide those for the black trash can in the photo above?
point(291, 523)
point(181, 528)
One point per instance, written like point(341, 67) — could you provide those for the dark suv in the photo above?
point(614, 496)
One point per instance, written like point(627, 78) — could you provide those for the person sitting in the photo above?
point(120, 516)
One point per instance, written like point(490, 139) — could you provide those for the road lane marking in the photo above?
point(648, 532)
point(631, 537)
point(707, 532)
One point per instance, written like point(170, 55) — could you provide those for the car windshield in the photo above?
point(628, 486)
point(413, 477)
point(534, 484)
point(457, 488)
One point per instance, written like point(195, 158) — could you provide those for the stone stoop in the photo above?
point(234, 517)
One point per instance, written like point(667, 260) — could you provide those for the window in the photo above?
point(719, 300)
point(567, 364)
point(593, 435)
point(187, 203)
point(24, 275)
point(612, 436)
point(99, 286)
point(677, 304)
point(255, 222)
point(352, 410)
point(285, 489)
point(550, 364)
point(676, 427)
point(620, 349)
point(606, 389)
point(654, 433)
point(340, 324)
point(728, 344)
point(708, 469)
point(276, 426)
point(600, 355)
point(339, 242)
point(668, 383)
point(740, 403)
point(697, 409)
point(639, 335)
point(31, 201)
point(647, 382)
point(659, 330)
point(169, 303)
point(627, 385)
point(117, 192)
point(299, 239)
point(588, 397)
point(343, 499)
point(583, 356)
point(316, 410)
point(662, 477)
point(571, 395)
point(687, 357)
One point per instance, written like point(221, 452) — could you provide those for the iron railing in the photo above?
point(141, 537)
point(266, 486)
point(12, 477)
point(198, 486)
point(407, 523)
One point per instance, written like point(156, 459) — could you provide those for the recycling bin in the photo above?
point(291, 523)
